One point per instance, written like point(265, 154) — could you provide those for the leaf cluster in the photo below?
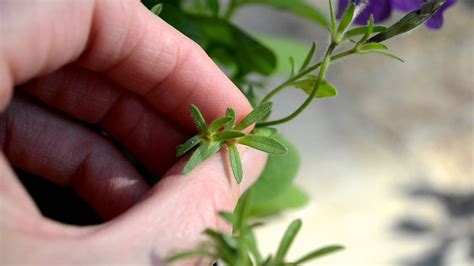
point(227, 132)
point(241, 248)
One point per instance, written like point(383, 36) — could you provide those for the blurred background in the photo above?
point(389, 162)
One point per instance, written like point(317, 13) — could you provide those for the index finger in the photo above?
point(127, 43)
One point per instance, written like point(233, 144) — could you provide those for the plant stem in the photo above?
point(304, 72)
point(322, 72)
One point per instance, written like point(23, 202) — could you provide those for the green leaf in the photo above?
point(283, 49)
point(373, 46)
point(346, 19)
point(212, 148)
point(217, 124)
point(325, 90)
point(287, 240)
point(309, 57)
point(251, 243)
point(229, 217)
point(277, 175)
point(298, 7)
point(333, 18)
point(230, 113)
point(197, 157)
point(228, 135)
point(265, 131)
point(235, 163)
point(188, 145)
point(203, 152)
point(387, 54)
point(292, 198)
point(378, 48)
point(188, 254)
point(319, 253)
point(370, 30)
point(255, 116)
point(214, 7)
point(225, 245)
point(223, 41)
point(363, 30)
point(266, 144)
point(157, 9)
point(410, 21)
point(198, 118)
point(291, 60)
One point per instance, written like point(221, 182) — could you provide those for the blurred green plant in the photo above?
point(243, 56)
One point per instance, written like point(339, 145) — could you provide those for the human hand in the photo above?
point(115, 64)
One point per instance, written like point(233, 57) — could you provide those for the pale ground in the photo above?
point(392, 129)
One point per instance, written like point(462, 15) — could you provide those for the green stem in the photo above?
point(322, 72)
point(303, 73)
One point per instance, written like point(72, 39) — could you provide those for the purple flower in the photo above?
point(381, 10)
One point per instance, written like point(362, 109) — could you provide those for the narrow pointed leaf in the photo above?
point(266, 144)
point(188, 254)
point(363, 30)
point(287, 240)
point(228, 135)
point(197, 157)
point(373, 46)
point(230, 113)
point(188, 145)
point(229, 217)
point(318, 253)
point(370, 30)
point(251, 243)
point(387, 54)
point(235, 163)
point(333, 18)
point(255, 116)
point(292, 66)
point(157, 9)
point(212, 148)
point(346, 19)
point(410, 21)
point(198, 118)
point(217, 124)
point(309, 56)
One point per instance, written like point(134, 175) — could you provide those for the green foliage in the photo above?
point(298, 7)
point(223, 131)
point(291, 198)
point(241, 247)
point(326, 89)
point(277, 175)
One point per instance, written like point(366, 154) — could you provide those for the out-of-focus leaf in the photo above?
point(319, 253)
point(287, 240)
point(292, 198)
point(277, 175)
point(284, 49)
point(219, 36)
point(300, 8)
point(325, 90)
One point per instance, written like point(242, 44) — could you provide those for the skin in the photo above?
point(64, 64)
